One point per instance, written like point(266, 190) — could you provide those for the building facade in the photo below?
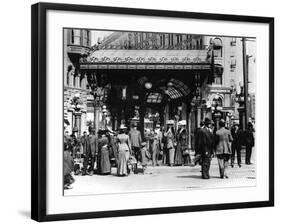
point(77, 43)
point(150, 78)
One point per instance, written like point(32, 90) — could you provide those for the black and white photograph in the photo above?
point(149, 112)
point(141, 112)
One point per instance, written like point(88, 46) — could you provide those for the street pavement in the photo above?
point(160, 178)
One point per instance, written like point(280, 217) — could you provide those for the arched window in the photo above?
point(217, 101)
point(217, 45)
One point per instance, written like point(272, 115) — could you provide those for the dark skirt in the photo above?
point(178, 155)
point(105, 166)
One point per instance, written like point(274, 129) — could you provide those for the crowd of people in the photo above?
point(131, 153)
point(222, 143)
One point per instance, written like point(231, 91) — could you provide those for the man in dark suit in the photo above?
point(249, 142)
point(223, 148)
point(205, 147)
point(236, 144)
point(89, 151)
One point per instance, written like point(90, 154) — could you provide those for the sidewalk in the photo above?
point(160, 178)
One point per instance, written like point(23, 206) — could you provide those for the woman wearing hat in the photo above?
point(124, 150)
point(104, 166)
point(144, 156)
point(170, 141)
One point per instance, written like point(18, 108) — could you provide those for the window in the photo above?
point(75, 37)
point(217, 79)
point(197, 44)
point(178, 39)
point(233, 41)
point(232, 63)
point(218, 52)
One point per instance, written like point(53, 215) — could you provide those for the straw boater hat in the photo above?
point(170, 122)
point(143, 144)
point(122, 126)
point(182, 122)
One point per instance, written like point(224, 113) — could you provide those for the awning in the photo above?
point(178, 59)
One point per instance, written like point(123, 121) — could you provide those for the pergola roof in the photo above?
point(147, 56)
point(177, 89)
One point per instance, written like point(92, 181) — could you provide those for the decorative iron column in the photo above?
point(76, 104)
point(241, 109)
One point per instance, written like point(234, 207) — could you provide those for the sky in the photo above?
point(99, 34)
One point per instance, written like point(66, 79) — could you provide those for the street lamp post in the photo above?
point(216, 112)
point(76, 106)
point(240, 98)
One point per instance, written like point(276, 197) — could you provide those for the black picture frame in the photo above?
point(39, 114)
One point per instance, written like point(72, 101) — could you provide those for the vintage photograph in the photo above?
point(147, 111)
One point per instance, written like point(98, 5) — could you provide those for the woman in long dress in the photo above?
point(143, 156)
point(103, 154)
point(124, 148)
point(68, 165)
point(178, 151)
point(170, 139)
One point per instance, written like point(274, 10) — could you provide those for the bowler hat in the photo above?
point(91, 129)
point(207, 121)
point(102, 131)
point(222, 122)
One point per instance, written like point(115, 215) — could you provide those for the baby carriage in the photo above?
point(132, 165)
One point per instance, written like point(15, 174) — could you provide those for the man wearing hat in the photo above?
point(135, 139)
point(205, 147)
point(236, 146)
point(223, 148)
point(158, 140)
point(90, 151)
point(249, 142)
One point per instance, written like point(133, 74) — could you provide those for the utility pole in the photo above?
point(245, 80)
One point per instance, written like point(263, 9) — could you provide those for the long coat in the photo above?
point(92, 145)
point(83, 141)
point(135, 138)
point(205, 142)
point(223, 141)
